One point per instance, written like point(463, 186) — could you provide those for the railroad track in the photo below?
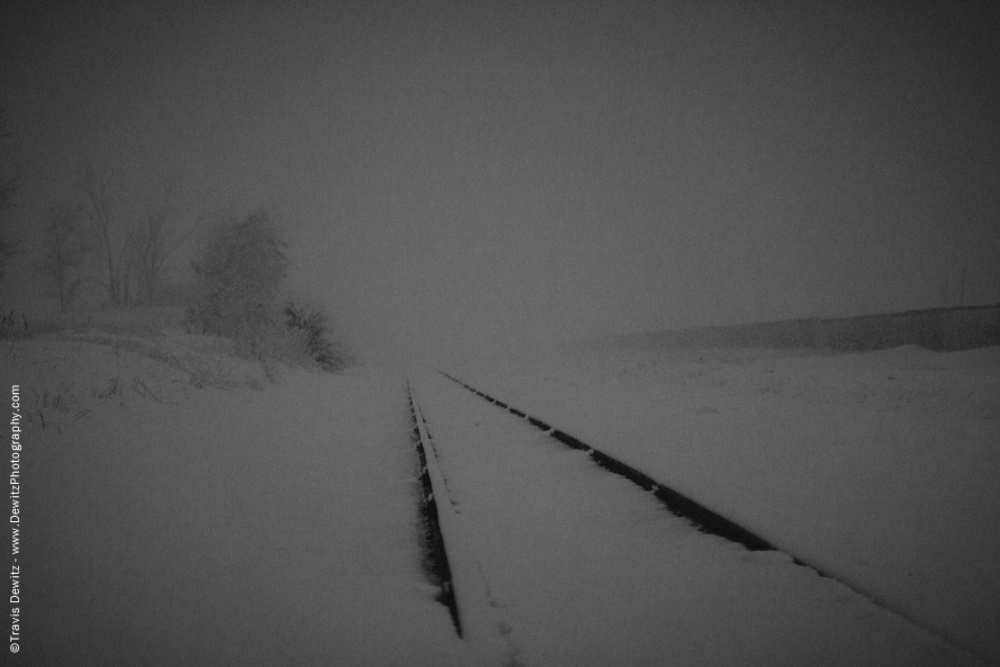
point(436, 565)
point(678, 504)
point(460, 503)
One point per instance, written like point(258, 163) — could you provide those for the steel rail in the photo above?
point(436, 564)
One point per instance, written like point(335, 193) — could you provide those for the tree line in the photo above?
point(237, 271)
point(85, 242)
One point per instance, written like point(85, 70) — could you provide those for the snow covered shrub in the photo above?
point(239, 274)
point(313, 326)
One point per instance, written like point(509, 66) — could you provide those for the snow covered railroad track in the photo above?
point(557, 563)
point(464, 588)
point(679, 505)
point(435, 554)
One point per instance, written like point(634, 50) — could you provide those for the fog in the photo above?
point(462, 177)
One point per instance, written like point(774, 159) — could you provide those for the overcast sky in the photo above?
point(451, 173)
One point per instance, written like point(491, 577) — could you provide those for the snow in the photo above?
point(221, 525)
point(185, 507)
point(569, 551)
point(877, 468)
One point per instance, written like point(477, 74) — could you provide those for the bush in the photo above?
point(238, 279)
point(239, 275)
point(313, 324)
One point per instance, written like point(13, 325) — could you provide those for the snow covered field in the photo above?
point(184, 507)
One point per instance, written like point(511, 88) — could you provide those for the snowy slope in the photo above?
point(879, 468)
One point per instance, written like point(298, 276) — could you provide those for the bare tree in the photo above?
point(9, 185)
point(154, 239)
point(94, 184)
point(65, 249)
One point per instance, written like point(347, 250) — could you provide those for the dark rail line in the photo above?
point(680, 505)
point(436, 564)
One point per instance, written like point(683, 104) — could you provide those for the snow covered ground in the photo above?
point(560, 563)
point(878, 468)
point(174, 514)
point(185, 507)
